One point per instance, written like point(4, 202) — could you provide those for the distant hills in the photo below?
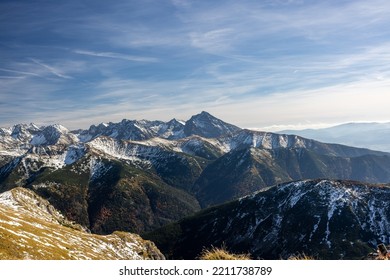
point(373, 136)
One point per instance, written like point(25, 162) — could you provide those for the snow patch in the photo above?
point(97, 168)
point(315, 227)
point(7, 199)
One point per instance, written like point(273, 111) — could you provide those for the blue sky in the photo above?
point(271, 63)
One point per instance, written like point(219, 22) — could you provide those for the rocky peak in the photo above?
point(24, 132)
point(206, 125)
point(52, 135)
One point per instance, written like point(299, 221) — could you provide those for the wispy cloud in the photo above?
point(52, 70)
point(117, 56)
point(213, 41)
point(253, 63)
point(19, 72)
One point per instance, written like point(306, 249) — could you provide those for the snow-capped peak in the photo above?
point(24, 132)
point(53, 134)
point(60, 128)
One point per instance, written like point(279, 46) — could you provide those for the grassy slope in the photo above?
point(31, 228)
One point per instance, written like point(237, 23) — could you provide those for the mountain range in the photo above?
point(138, 175)
point(373, 136)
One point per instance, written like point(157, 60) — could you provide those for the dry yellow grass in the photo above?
point(30, 228)
point(221, 254)
point(299, 257)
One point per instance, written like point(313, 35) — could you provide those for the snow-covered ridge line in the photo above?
point(373, 200)
point(25, 136)
point(265, 140)
point(126, 150)
point(182, 145)
point(223, 136)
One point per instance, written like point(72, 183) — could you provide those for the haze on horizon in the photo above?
point(276, 63)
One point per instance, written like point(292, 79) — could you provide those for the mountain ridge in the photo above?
point(326, 219)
